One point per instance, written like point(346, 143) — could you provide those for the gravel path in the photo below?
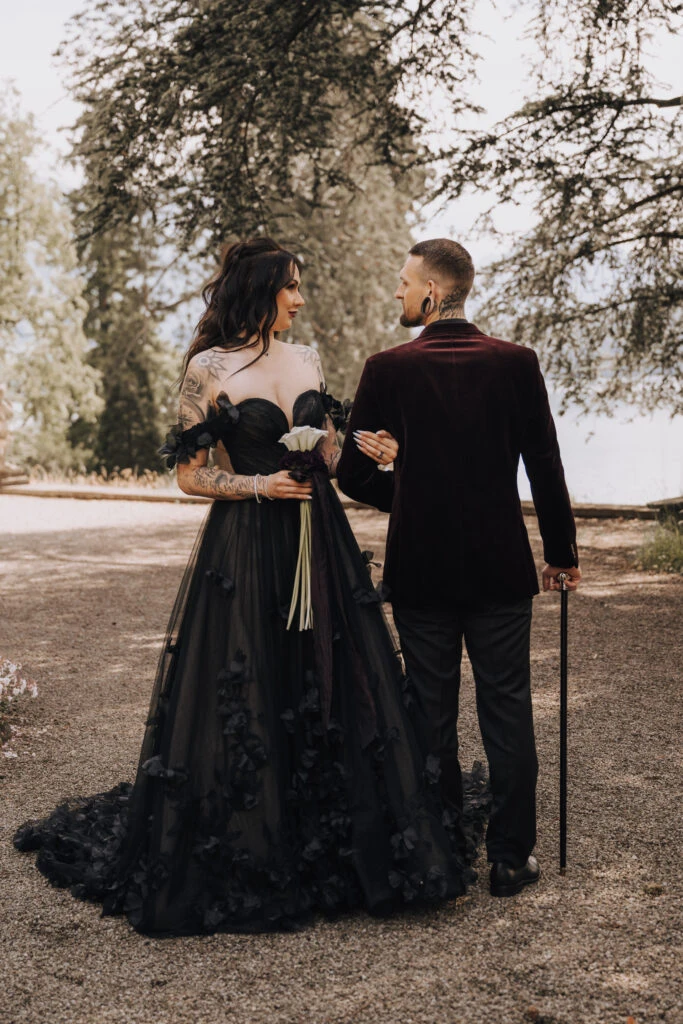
point(85, 591)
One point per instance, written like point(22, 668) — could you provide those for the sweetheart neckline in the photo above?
point(269, 401)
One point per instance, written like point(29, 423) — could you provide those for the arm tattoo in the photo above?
point(193, 385)
point(217, 483)
point(332, 461)
point(311, 358)
point(194, 395)
point(329, 448)
point(212, 362)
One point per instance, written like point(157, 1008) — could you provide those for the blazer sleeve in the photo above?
point(357, 475)
point(541, 455)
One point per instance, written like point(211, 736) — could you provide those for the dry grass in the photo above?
point(663, 552)
point(117, 477)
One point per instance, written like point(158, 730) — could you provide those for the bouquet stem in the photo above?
point(301, 592)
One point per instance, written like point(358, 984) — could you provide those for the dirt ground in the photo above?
point(85, 592)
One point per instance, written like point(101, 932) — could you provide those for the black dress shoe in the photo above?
point(507, 881)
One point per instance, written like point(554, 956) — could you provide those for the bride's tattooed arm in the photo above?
point(196, 395)
point(213, 482)
point(329, 448)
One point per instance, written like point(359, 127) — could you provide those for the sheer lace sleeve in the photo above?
point(336, 416)
point(183, 445)
point(202, 421)
point(195, 394)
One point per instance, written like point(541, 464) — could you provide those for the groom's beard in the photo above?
point(416, 320)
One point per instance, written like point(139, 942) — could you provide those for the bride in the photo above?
point(279, 774)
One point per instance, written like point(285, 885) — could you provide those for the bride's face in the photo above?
point(289, 302)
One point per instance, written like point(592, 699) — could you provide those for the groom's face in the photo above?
point(413, 289)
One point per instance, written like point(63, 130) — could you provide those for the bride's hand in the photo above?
point(381, 446)
point(282, 485)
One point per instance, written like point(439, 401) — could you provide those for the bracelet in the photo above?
point(265, 488)
point(256, 493)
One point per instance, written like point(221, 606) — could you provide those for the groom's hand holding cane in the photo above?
point(572, 576)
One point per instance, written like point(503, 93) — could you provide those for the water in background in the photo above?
point(612, 460)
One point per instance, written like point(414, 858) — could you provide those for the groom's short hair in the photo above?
point(451, 261)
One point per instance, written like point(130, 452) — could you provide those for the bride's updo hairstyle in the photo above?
point(241, 300)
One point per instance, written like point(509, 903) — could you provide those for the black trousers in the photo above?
point(497, 639)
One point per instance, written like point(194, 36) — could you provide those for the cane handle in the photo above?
point(562, 578)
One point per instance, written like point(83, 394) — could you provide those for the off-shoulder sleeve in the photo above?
point(182, 444)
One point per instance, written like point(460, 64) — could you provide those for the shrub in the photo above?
point(13, 687)
point(664, 551)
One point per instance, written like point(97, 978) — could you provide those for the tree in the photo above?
point(354, 244)
point(595, 283)
point(130, 289)
point(42, 344)
point(226, 113)
point(224, 118)
point(215, 111)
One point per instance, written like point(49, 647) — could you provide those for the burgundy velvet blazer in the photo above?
point(463, 407)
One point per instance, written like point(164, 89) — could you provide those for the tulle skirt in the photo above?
point(269, 788)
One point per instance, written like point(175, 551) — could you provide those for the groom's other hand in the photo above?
point(551, 582)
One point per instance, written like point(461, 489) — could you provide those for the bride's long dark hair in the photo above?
point(241, 300)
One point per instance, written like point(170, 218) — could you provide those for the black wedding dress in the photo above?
point(279, 774)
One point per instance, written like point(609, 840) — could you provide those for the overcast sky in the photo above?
point(629, 462)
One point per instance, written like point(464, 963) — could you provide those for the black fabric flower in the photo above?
point(245, 750)
point(432, 770)
point(338, 412)
point(408, 692)
point(288, 718)
point(235, 671)
point(436, 884)
point(160, 711)
point(228, 413)
point(310, 702)
point(409, 883)
point(403, 843)
point(181, 445)
point(224, 583)
point(379, 745)
point(155, 768)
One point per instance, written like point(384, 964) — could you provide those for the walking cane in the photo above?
point(562, 578)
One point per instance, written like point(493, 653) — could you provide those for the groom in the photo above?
point(464, 407)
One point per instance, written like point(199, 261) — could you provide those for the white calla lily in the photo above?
point(302, 439)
